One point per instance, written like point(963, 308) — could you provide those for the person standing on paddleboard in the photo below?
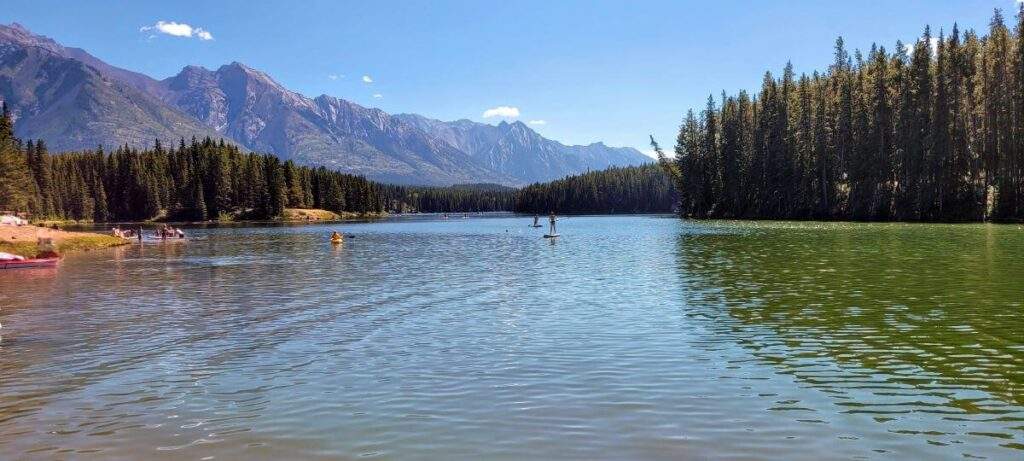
point(551, 221)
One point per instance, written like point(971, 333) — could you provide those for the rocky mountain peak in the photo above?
point(74, 100)
point(17, 34)
point(191, 76)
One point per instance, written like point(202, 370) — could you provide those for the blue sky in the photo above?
point(582, 71)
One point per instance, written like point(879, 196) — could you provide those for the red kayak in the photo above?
point(30, 263)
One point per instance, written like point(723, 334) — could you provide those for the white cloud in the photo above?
point(502, 111)
point(367, 79)
point(377, 96)
point(335, 76)
point(177, 29)
point(538, 122)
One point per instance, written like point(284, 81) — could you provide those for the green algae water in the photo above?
point(636, 337)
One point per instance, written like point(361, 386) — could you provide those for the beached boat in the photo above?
point(29, 263)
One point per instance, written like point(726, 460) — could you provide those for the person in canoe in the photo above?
point(336, 237)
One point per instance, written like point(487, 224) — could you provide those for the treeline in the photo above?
point(639, 189)
point(452, 199)
point(202, 180)
point(932, 131)
point(197, 181)
point(213, 180)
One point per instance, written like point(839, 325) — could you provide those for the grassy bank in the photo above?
point(290, 215)
point(22, 240)
point(313, 214)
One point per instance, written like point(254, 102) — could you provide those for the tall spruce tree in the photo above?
point(17, 187)
point(931, 131)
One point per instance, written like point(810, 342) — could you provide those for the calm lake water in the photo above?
point(639, 337)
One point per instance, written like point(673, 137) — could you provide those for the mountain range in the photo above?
point(75, 101)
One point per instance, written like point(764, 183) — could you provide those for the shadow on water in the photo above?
point(917, 326)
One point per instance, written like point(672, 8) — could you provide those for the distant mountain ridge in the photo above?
point(516, 150)
point(72, 105)
point(74, 100)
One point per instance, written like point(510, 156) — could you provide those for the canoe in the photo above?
point(30, 263)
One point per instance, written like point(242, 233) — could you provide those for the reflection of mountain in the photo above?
point(888, 319)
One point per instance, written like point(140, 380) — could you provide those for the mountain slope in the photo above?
point(74, 100)
point(249, 106)
point(516, 150)
point(72, 105)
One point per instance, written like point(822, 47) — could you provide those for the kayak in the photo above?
point(29, 263)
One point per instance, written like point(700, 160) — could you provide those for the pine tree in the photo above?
point(936, 135)
point(16, 182)
point(278, 195)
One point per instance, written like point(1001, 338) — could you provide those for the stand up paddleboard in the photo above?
point(536, 225)
point(551, 236)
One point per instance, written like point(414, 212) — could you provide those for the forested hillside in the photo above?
point(194, 182)
point(201, 180)
point(214, 180)
point(933, 130)
point(638, 189)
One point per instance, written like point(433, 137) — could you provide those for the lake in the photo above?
point(630, 337)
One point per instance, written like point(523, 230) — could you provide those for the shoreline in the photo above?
point(292, 216)
point(22, 240)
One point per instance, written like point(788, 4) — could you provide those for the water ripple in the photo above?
point(630, 337)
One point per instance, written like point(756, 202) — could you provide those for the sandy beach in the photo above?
point(22, 240)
